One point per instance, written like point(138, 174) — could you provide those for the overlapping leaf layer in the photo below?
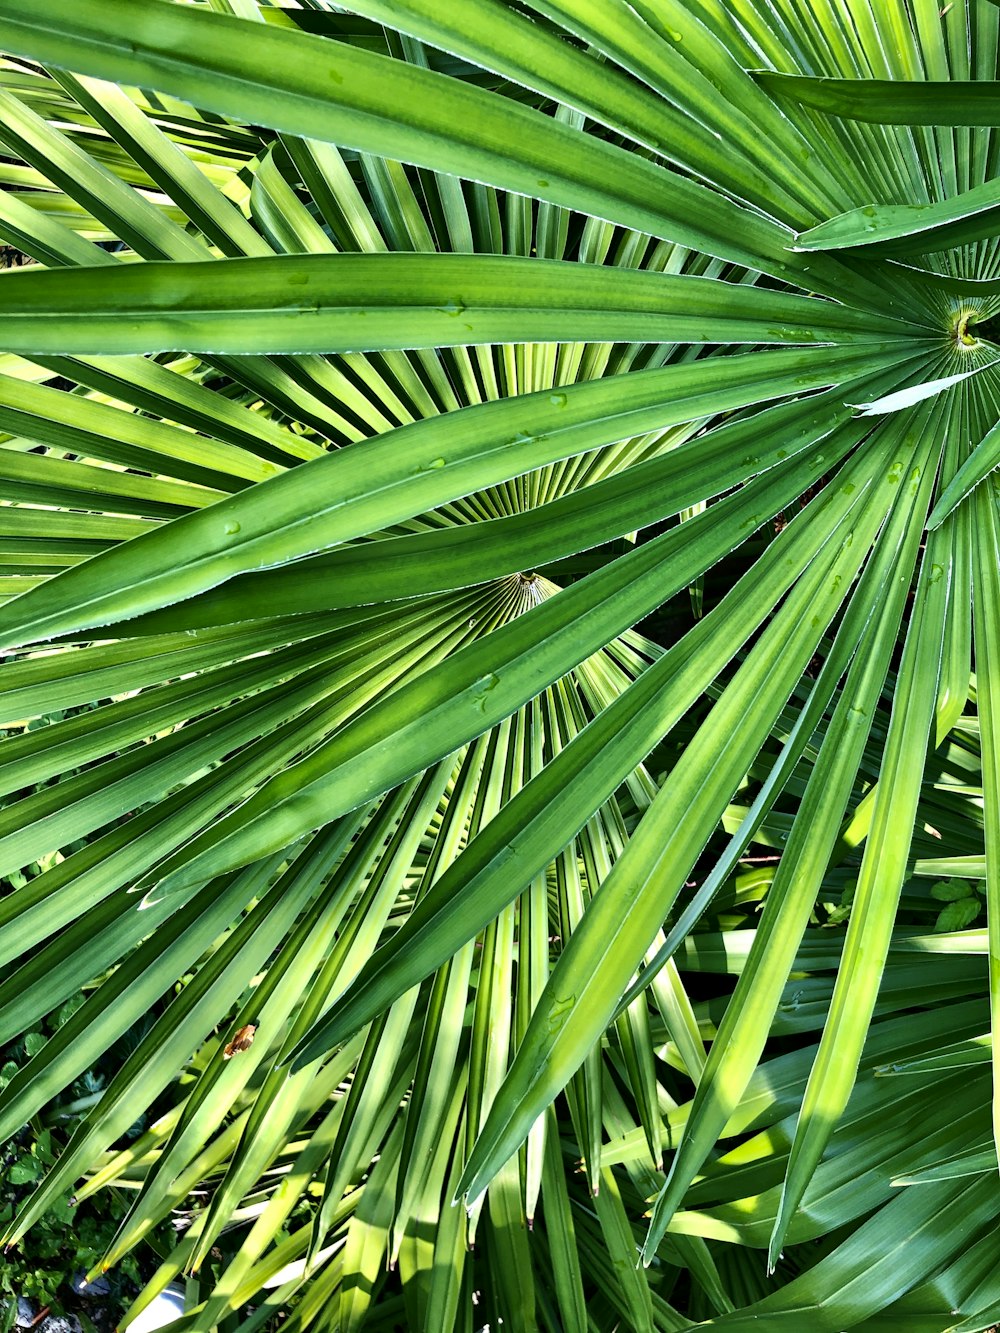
point(460, 629)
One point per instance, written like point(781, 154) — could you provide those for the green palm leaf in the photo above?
point(461, 629)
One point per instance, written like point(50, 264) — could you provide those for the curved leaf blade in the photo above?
point(409, 470)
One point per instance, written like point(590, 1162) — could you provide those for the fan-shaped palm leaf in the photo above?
point(371, 386)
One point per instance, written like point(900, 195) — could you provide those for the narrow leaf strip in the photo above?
point(986, 612)
point(484, 682)
point(343, 94)
point(620, 924)
point(406, 471)
point(911, 228)
point(532, 828)
point(351, 302)
point(791, 898)
point(359, 573)
point(890, 101)
point(874, 907)
point(980, 463)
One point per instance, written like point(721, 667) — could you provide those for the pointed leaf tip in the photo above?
point(916, 393)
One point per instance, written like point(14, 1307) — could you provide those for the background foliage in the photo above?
point(502, 601)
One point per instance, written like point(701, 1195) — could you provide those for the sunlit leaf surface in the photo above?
point(499, 596)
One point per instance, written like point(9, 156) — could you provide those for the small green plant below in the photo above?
point(70, 1239)
point(963, 900)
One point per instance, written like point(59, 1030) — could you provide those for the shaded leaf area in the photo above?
point(499, 607)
